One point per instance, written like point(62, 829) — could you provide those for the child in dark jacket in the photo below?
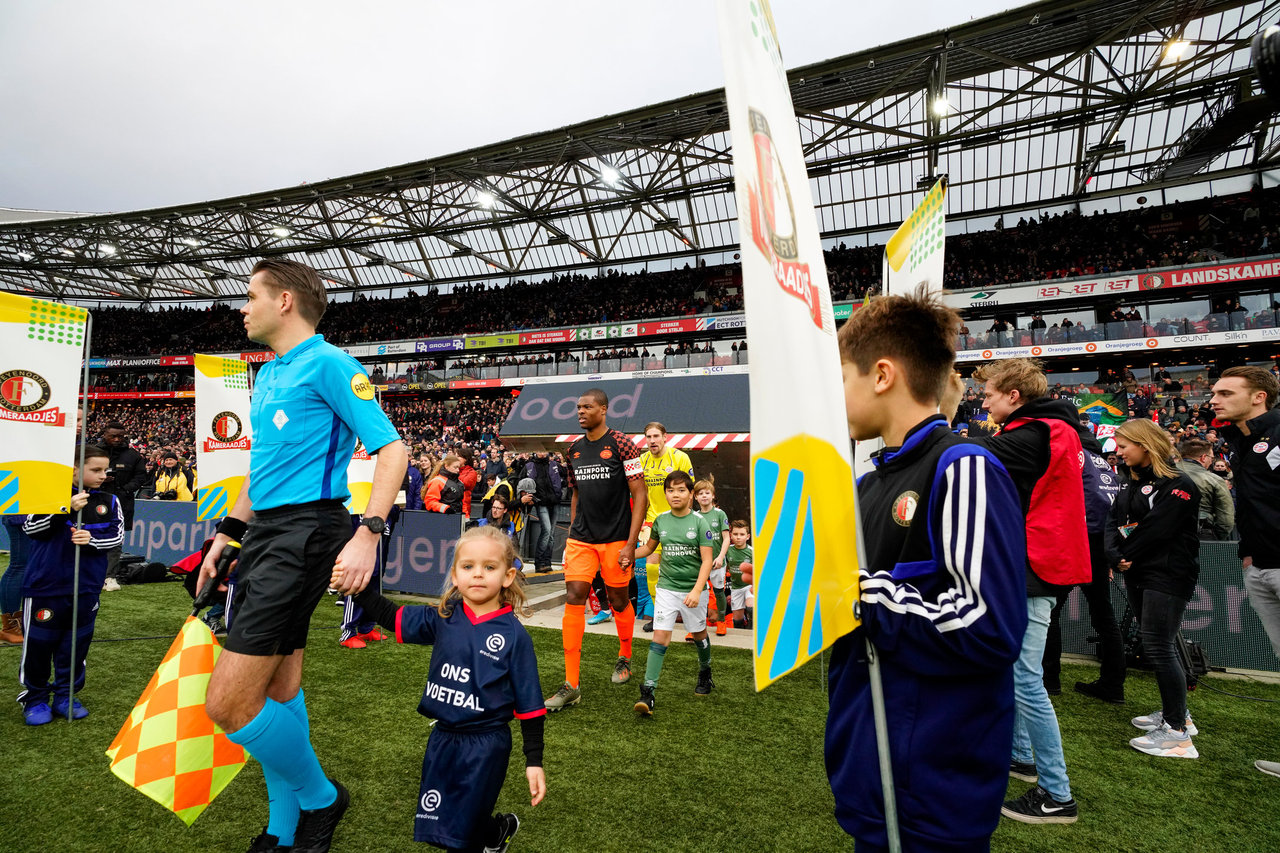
point(943, 596)
point(94, 526)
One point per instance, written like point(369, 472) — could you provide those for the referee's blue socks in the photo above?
point(282, 818)
point(281, 743)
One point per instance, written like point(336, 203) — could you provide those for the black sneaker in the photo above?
point(704, 682)
point(509, 825)
point(1036, 806)
point(1095, 690)
point(267, 843)
point(647, 627)
point(316, 827)
point(644, 705)
point(1024, 771)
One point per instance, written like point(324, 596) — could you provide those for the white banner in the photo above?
point(913, 255)
point(803, 512)
point(223, 433)
point(41, 350)
point(360, 478)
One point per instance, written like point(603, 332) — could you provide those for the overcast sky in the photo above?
point(116, 106)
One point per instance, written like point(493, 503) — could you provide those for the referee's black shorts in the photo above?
point(283, 572)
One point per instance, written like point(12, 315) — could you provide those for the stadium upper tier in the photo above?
point(1056, 105)
point(1049, 249)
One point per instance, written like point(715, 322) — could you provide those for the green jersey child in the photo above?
point(739, 552)
point(704, 492)
point(683, 569)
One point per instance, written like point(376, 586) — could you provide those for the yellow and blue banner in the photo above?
point(804, 516)
point(41, 352)
point(223, 433)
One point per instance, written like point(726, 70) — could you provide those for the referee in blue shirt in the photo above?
point(309, 405)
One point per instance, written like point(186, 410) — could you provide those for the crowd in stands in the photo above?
point(119, 380)
point(1036, 248)
point(474, 420)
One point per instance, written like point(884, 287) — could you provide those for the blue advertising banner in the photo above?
point(420, 552)
point(163, 531)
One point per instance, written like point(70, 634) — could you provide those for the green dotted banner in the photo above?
point(235, 375)
point(55, 323)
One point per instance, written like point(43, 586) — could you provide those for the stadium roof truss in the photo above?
point(1045, 104)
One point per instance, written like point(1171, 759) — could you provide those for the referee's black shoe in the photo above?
point(267, 843)
point(316, 827)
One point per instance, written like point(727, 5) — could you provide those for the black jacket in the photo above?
point(1255, 461)
point(128, 474)
point(1164, 546)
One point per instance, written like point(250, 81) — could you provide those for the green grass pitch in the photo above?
point(735, 771)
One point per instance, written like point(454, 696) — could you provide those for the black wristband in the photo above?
point(233, 528)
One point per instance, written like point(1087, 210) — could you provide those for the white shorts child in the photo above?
point(668, 603)
point(717, 577)
point(741, 598)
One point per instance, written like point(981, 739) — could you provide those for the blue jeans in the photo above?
point(542, 552)
point(1035, 727)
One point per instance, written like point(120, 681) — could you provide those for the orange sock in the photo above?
point(573, 626)
point(626, 622)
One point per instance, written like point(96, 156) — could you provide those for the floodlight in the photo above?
point(941, 106)
point(281, 231)
point(106, 248)
point(191, 241)
point(610, 175)
point(484, 198)
point(1176, 49)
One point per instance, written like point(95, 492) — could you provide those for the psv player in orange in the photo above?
point(605, 515)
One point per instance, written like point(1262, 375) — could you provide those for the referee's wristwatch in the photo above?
point(376, 525)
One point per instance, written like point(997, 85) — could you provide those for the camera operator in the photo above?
point(173, 481)
point(126, 473)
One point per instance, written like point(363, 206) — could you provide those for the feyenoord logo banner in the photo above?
point(802, 498)
point(223, 436)
point(41, 352)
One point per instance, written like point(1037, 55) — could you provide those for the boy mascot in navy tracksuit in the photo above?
point(943, 596)
point(48, 591)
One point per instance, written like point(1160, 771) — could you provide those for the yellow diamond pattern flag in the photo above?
point(169, 749)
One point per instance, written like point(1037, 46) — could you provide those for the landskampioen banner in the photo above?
point(1132, 282)
point(41, 351)
point(804, 518)
point(223, 432)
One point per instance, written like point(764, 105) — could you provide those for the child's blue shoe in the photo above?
point(37, 714)
point(78, 711)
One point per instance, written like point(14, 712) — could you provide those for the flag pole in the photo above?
point(75, 560)
point(878, 712)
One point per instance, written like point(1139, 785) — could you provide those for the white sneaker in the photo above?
point(1166, 742)
point(111, 585)
point(1271, 768)
point(1156, 719)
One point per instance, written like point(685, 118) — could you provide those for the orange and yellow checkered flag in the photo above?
point(169, 749)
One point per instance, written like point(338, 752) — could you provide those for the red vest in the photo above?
point(1057, 539)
